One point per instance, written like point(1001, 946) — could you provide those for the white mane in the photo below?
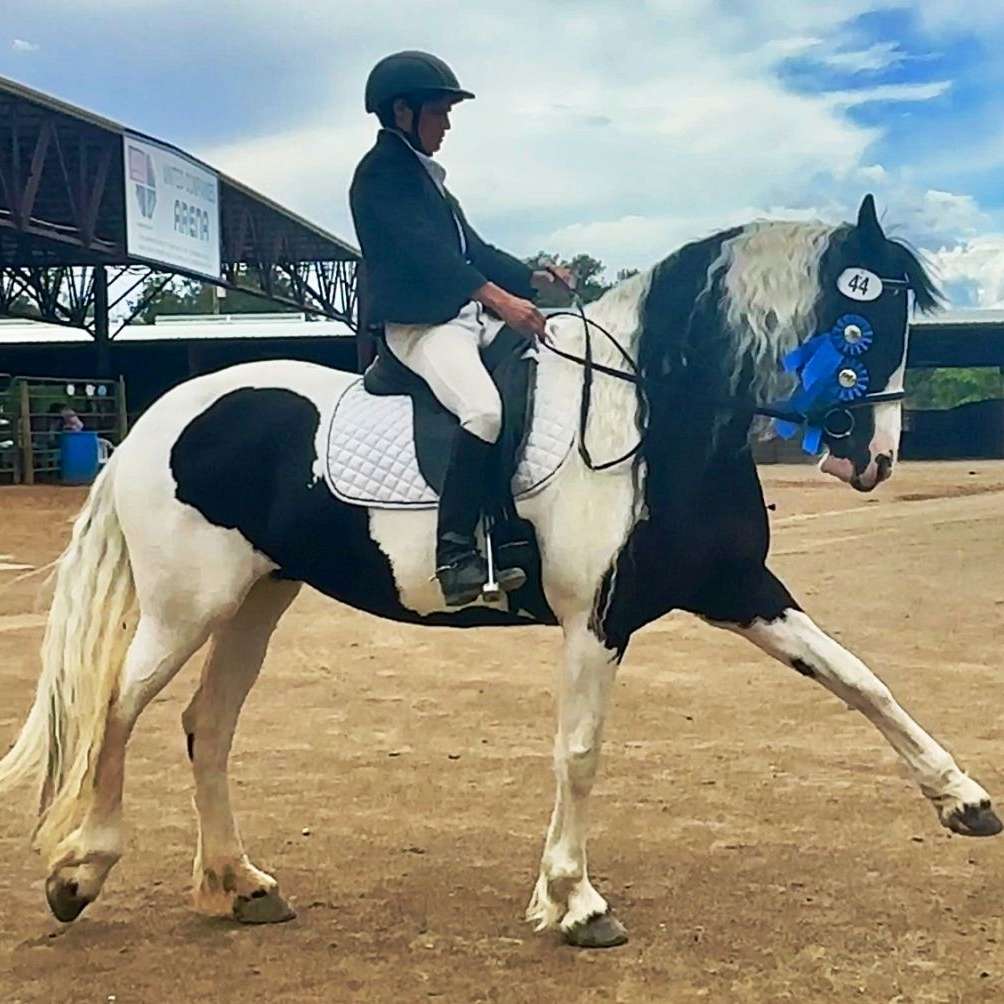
point(769, 290)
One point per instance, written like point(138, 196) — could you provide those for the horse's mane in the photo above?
point(747, 296)
point(766, 282)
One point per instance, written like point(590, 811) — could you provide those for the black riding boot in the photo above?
point(460, 568)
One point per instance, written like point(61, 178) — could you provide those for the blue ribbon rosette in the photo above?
point(830, 371)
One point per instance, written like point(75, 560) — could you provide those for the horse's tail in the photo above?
point(82, 654)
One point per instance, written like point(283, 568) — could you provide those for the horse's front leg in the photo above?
point(782, 630)
point(564, 896)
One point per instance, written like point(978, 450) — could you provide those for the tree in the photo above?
point(23, 306)
point(588, 272)
point(189, 296)
point(947, 388)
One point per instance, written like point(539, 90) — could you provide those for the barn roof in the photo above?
point(62, 170)
point(71, 222)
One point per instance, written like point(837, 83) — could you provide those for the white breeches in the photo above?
point(446, 356)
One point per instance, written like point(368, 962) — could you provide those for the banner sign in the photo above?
point(172, 208)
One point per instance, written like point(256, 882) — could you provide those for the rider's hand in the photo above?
point(516, 312)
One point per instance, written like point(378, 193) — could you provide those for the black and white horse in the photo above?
point(215, 509)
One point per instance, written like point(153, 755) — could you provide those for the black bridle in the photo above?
point(836, 420)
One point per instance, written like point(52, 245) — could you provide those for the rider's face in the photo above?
point(433, 123)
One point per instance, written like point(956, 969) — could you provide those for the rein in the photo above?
point(589, 367)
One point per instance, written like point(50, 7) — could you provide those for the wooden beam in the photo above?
point(956, 346)
point(27, 455)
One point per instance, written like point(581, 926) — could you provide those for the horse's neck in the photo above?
point(618, 312)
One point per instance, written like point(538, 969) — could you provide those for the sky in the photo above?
point(621, 130)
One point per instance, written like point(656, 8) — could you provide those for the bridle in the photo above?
point(805, 409)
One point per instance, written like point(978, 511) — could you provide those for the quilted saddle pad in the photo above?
point(371, 457)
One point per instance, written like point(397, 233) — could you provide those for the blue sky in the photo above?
point(621, 130)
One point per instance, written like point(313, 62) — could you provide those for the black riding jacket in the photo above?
point(416, 269)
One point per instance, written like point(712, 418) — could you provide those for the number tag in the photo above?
point(859, 284)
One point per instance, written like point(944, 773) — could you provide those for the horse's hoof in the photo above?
point(975, 820)
point(64, 900)
point(263, 908)
point(603, 930)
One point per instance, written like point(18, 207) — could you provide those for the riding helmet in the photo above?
point(411, 73)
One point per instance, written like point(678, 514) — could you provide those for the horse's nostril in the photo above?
point(884, 462)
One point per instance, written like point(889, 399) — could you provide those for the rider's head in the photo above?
point(413, 92)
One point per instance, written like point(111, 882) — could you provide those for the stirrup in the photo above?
point(500, 581)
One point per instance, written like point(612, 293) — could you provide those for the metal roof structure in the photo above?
point(64, 225)
point(181, 327)
point(958, 338)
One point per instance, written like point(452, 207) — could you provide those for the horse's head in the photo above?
point(805, 323)
point(867, 284)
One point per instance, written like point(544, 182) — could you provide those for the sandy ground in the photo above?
point(760, 841)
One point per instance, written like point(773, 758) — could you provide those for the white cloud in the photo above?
point(20, 45)
point(622, 131)
point(946, 212)
point(633, 241)
point(874, 173)
point(880, 56)
point(585, 132)
point(889, 92)
point(975, 269)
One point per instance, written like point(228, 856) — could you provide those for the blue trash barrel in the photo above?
point(78, 457)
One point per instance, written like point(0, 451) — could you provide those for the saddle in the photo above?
point(513, 369)
point(380, 455)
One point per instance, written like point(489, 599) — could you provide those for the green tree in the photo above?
point(189, 296)
point(588, 272)
point(947, 388)
point(23, 306)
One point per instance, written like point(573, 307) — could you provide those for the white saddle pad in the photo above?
point(371, 458)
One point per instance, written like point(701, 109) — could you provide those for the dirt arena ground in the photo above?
point(759, 840)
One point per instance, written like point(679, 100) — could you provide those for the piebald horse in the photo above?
point(213, 512)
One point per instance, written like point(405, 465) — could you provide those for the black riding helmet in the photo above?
point(411, 74)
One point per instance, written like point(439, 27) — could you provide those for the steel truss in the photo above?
point(62, 228)
point(71, 295)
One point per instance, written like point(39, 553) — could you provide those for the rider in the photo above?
point(440, 291)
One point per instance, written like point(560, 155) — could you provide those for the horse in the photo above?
point(213, 512)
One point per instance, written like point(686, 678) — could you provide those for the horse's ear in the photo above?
point(868, 222)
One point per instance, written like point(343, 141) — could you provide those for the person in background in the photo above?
point(63, 419)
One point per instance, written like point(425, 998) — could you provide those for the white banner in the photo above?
point(172, 208)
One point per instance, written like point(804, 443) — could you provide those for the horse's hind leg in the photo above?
point(81, 861)
point(182, 594)
point(225, 880)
